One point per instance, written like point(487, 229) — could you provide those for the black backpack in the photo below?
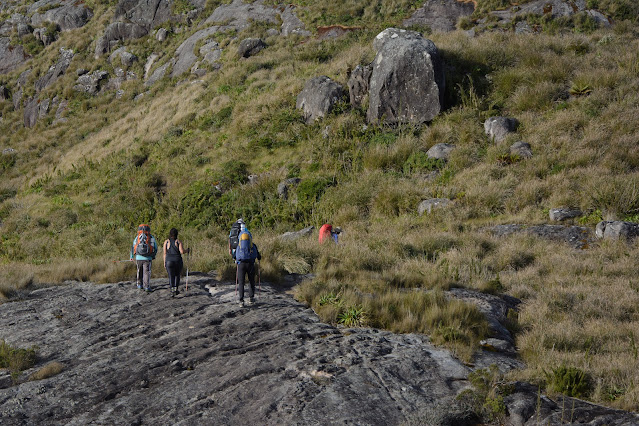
point(234, 236)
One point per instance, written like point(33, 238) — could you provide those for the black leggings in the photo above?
point(174, 267)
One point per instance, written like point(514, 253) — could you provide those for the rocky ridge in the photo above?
point(135, 358)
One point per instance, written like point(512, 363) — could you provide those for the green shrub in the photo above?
point(15, 359)
point(569, 381)
point(419, 162)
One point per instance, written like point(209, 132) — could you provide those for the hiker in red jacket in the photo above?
point(327, 233)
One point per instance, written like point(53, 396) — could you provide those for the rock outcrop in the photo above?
point(564, 213)
point(407, 81)
point(11, 57)
point(68, 15)
point(578, 237)
point(200, 359)
point(358, 84)
point(440, 151)
point(319, 96)
point(440, 15)
point(427, 206)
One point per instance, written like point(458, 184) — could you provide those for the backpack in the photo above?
point(143, 242)
point(244, 249)
point(234, 235)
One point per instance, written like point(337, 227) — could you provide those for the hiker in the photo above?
point(144, 249)
point(234, 235)
point(327, 233)
point(245, 255)
point(173, 251)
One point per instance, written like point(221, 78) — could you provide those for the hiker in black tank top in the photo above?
point(173, 250)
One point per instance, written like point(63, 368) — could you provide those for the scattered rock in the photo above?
point(563, 213)
point(407, 81)
point(118, 31)
point(127, 59)
point(161, 34)
point(250, 46)
point(23, 30)
point(43, 35)
point(4, 93)
point(55, 71)
point(149, 63)
point(184, 55)
point(291, 24)
point(81, 71)
point(499, 127)
point(440, 15)
point(292, 236)
point(90, 83)
point(253, 179)
point(44, 108)
point(31, 112)
point(616, 230)
point(358, 84)
point(334, 31)
point(521, 149)
point(283, 187)
point(211, 53)
point(440, 151)
point(522, 27)
point(427, 206)
point(319, 96)
point(157, 74)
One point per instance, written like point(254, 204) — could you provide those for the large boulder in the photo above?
point(69, 15)
point(617, 230)
point(11, 57)
point(407, 82)
point(499, 127)
point(440, 15)
point(358, 84)
point(578, 237)
point(319, 96)
point(145, 13)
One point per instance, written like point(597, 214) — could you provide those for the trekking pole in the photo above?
point(188, 257)
point(237, 271)
point(121, 261)
point(259, 276)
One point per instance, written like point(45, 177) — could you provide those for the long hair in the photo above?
point(173, 233)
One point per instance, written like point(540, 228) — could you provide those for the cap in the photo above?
point(337, 229)
point(240, 220)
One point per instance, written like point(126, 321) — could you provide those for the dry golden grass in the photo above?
point(51, 369)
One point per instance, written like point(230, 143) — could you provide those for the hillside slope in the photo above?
point(120, 113)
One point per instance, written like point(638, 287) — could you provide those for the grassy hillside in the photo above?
point(72, 194)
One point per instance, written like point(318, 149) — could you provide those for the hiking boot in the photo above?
point(176, 292)
point(251, 301)
point(148, 289)
point(241, 303)
point(140, 286)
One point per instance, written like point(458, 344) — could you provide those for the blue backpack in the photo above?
point(244, 250)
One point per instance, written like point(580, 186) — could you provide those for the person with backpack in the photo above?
point(173, 251)
point(327, 233)
point(144, 248)
point(245, 255)
point(234, 235)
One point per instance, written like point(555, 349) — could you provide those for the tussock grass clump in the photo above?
point(51, 369)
